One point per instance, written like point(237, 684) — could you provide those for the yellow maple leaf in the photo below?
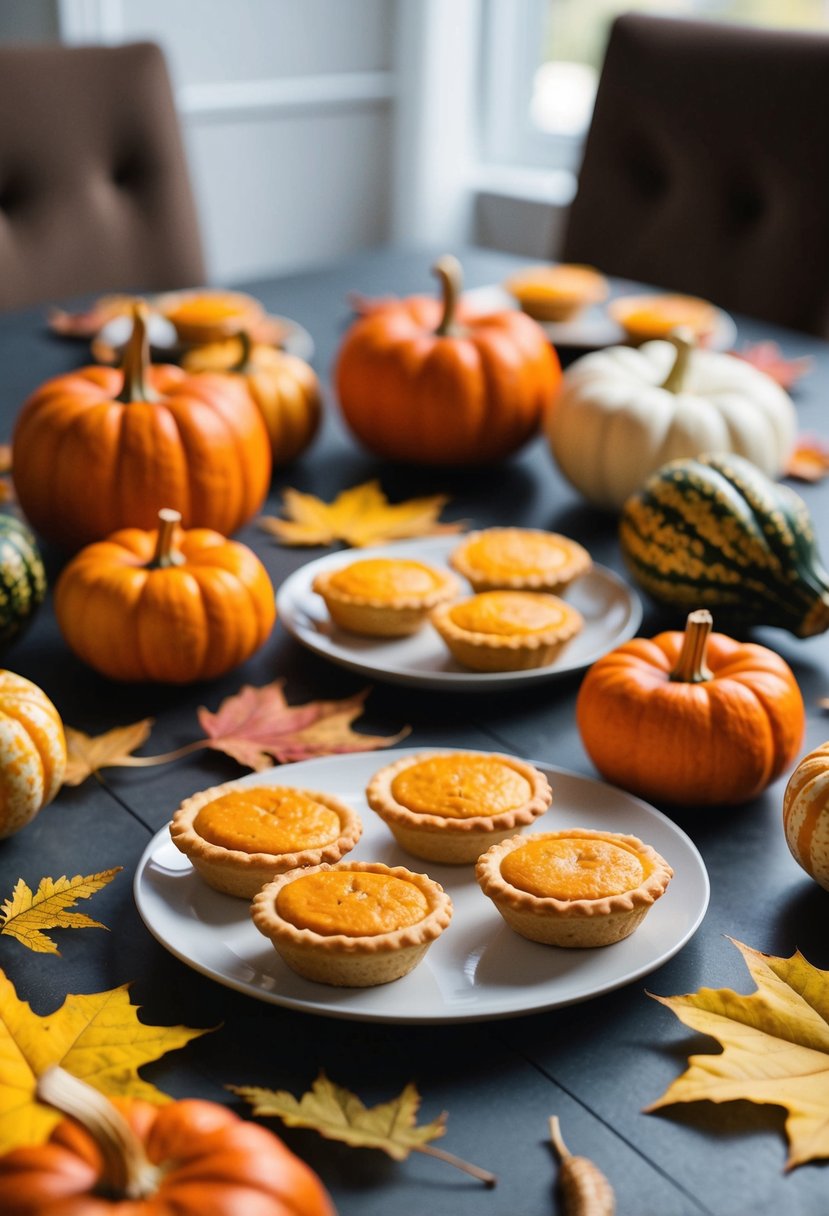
point(775, 1047)
point(86, 754)
point(359, 516)
point(26, 915)
point(96, 1036)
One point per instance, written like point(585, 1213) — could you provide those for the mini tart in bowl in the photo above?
point(450, 807)
point(205, 315)
point(239, 838)
point(507, 630)
point(573, 888)
point(557, 293)
point(354, 925)
point(519, 559)
point(655, 316)
point(384, 596)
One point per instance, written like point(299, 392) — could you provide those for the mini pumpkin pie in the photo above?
point(507, 630)
point(450, 807)
point(573, 888)
point(354, 925)
point(384, 596)
point(238, 838)
point(655, 316)
point(557, 293)
point(519, 559)
point(205, 315)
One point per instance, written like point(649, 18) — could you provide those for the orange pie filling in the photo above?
point(385, 579)
point(503, 553)
point(268, 820)
point(510, 613)
point(351, 903)
point(570, 868)
point(460, 787)
point(208, 306)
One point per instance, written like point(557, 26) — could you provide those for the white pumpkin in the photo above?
point(624, 412)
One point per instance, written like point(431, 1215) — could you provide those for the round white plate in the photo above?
point(478, 969)
point(612, 612)
point(594, 328)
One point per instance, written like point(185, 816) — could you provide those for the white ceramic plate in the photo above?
point(593, 328)
point(612, 612)
point(478, 969)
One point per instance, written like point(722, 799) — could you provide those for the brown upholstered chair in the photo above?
point(706, 167)
point(94, 192)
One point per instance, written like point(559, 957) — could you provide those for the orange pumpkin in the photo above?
point(806, 814)
point(100, 449)
point(694, 718)
point(32, 753)
point(165, 605)
point(423, 381)
point(284, 387)
point(188, 1157)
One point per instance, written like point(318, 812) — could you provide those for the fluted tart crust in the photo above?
point(384, 596)
point(519, 559)
point(507, 630)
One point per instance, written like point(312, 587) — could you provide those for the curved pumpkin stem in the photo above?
point(127, 1169)
point(244, 362)
point(165, 555)
point(448, 270)
point(682, 340)
point(691, 667)
point(136, 359)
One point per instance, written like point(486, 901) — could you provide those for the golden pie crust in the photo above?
point(576, 888)
point(352, 959)
point(450, 807)
point(519, 559)
point(238, 859)
point(204, 315)
point(384, 596)
point(507, 630)
point(557, 293)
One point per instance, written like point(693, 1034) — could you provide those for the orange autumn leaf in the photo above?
point(359, 516)
point(767, 357)
point(26, 914)
point(775, 1047)
point(96, 1037)
point(86, 754)
point(809, 459)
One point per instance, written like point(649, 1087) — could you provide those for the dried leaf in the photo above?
point(584, 1188)
point(86, 754)
point(88, 322)
point(767, 357)
point(257, 726)
point(809, 460)
point(96, 1037)
point(359, 516)
point(26, 915)
point(775, 1047)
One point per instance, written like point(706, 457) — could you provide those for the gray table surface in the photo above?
point(595, 1064)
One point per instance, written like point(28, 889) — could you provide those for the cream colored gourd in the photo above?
point(624, 412)
point(806, 814)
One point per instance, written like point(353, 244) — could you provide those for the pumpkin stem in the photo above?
point(448, 270)
point(242, 364)
point(126, 1168)
point(682, 340)
point(136, 359)
point(690, 666)
point(165, 555)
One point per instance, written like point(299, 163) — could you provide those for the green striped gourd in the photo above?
point(716, 532)
point(22, 578)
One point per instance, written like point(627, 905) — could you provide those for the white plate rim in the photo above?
point(358, 1004)
point(291, 595)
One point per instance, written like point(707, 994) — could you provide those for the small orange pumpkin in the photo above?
point(32, 753)
point(694, 718)
point(166, 606)
point(100, 449)
point(806, 814)
point(424, 381)
point(285, 389)
point(129, 1156)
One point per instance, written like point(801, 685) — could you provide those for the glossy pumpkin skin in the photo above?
point(715, 531)
point(174, 624)
point(32, 752)
point(693, 744)
point(22, 578)
point(470, 396)
point(212, 1162)
point(806, 814)
point(87, 463)
point(285, 389)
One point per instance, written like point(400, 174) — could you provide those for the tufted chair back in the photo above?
point(706, 167)
point(94, 192)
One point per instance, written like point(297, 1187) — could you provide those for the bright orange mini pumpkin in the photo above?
point(165, 605)
point(32, 753)
point(100, 449)
point(424, 381)
point(128, 1156)
point(806, 814)
point(694, 718)
point(284, 387)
